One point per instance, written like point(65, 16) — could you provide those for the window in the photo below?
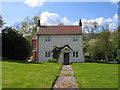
point(47, 54)
point(75, 38)
point(75, 54)
point(47, 38)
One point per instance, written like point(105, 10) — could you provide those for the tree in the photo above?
point(118, 43)
point(27, 27)
point(15, 46)
point(104, 43)
point(56, 51)
point(91, 28)
point(1, 22)
point(95, 51)
point(61, 24)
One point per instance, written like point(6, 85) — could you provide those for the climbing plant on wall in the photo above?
point(56, 51)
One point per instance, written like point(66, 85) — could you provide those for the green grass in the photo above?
point(96, 75)
point(29, 75)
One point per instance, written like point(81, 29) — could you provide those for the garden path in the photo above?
point(66, 78)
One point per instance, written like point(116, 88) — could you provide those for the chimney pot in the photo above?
point(80, 23)
point(38, 22)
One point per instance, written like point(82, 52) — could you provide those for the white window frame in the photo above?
point(47, 39)
point(47, 54)
point(75, 54)
point(75, 38)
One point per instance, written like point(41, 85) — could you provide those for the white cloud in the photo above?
point(65, 20)
point(34, 3)
point(100, 20)
point(108, 20)
point(75, 23)
point(111, 21)
point(52, 19)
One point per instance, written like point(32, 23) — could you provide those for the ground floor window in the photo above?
point(75, 54)
point(47, 54)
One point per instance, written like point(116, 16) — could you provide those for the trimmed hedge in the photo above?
point(52, 60)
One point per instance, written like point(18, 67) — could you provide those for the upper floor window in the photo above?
point(75, 38)
point(47, 38)
point(47, 54)
point(75, 54)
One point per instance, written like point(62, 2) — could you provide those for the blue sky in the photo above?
point(66, 12)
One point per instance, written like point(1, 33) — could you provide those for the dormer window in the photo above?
point(75, 38)
point(47, 38)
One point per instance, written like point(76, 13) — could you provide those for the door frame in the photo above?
point(67, 59)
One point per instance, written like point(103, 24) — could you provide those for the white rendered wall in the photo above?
point(60, 41)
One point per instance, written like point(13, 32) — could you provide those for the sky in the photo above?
point(53, 13)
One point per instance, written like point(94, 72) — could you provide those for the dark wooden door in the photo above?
point(66, 58)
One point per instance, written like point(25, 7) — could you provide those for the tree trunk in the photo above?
point(106, 57)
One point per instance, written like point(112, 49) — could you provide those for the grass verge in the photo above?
point(96, 75)
point(29, 75)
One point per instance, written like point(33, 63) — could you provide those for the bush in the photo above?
point(52, 60)
point(101, 62)
point(14, 45)
point(90, 60)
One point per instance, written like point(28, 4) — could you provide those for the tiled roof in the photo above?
point(59, 30)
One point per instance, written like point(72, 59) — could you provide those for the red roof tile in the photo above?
point(59, 30)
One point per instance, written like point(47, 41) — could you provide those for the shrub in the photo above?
point(101, 62)
point(14, 45)
point(52, 60)
point(90, 60)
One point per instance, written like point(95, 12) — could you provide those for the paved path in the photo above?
point(66, 79)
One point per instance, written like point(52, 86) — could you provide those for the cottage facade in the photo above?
point(68, 38)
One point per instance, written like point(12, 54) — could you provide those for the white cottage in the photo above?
point(67, 38)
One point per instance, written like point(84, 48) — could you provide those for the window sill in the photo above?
point(48, 58)
point(75, 41)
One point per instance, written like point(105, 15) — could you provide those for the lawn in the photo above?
point(96, 75)
point(29, 75)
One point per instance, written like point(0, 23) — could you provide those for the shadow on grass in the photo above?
point(107, 62)
point(19, 61)
point(102, 62)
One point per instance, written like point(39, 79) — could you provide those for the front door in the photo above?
point(66, 58)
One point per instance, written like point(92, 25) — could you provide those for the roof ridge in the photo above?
point(62, 26)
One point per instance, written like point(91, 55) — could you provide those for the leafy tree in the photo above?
point(15, 46)
point(27, 27)
point(56, 51)
point(118, 43)
point(103, 46)
point(61, 24)
point(1, 22)
point(91, 28)
point(114, 41)
point(95, 51)
point(86, 46)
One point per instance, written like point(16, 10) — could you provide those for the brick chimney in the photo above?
point(38, 22)
point(38, 27)
point(80, 23)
